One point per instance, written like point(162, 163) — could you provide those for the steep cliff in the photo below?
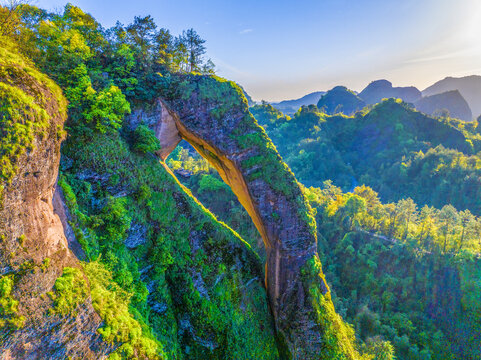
point(33, 249)
point(212, 115)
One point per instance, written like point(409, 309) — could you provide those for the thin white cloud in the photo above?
point(451, 55)
point(245, 31)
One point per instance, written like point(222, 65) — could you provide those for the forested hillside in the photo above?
point(396, 150)
point(340, 100)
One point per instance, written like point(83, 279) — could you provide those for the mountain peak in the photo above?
point(380, 89)
point(381, 82)
point(340, 99)
point(468, 86)
point(451, 100)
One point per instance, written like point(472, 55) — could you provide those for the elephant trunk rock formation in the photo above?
point(213, 116)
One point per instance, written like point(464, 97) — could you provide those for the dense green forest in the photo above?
point(422, 237)
point(391, 147)
point(395, 194)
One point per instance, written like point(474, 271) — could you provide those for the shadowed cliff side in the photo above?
point(33, 249)
point(213, 116)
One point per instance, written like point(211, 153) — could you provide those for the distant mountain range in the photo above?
point(289, 107)
point(468, 86)
point(461, 97)
point(452, 101)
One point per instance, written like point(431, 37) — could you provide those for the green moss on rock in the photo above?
point(112, 304)
point(27, 99)
point(337, 336)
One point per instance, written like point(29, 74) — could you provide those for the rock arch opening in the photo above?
point(224, 166)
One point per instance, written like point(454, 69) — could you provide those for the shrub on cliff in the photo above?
point(145, 140)
point(70, 291)
point(9, 318)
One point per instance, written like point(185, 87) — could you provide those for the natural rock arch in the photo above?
point(213, 116)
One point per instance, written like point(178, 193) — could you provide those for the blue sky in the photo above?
point(285, 49)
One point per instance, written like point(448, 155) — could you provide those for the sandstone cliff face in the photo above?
point(33, 247)
point(213, 117)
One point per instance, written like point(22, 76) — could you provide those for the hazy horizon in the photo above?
point(285, 50)
point(359, 90)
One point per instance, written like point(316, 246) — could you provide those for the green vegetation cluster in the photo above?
point(10, 320)
point(121, 326)
point(144, 140)
point(71, 290)
point(444, 231)
point(401, 274)
point(302, 143)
